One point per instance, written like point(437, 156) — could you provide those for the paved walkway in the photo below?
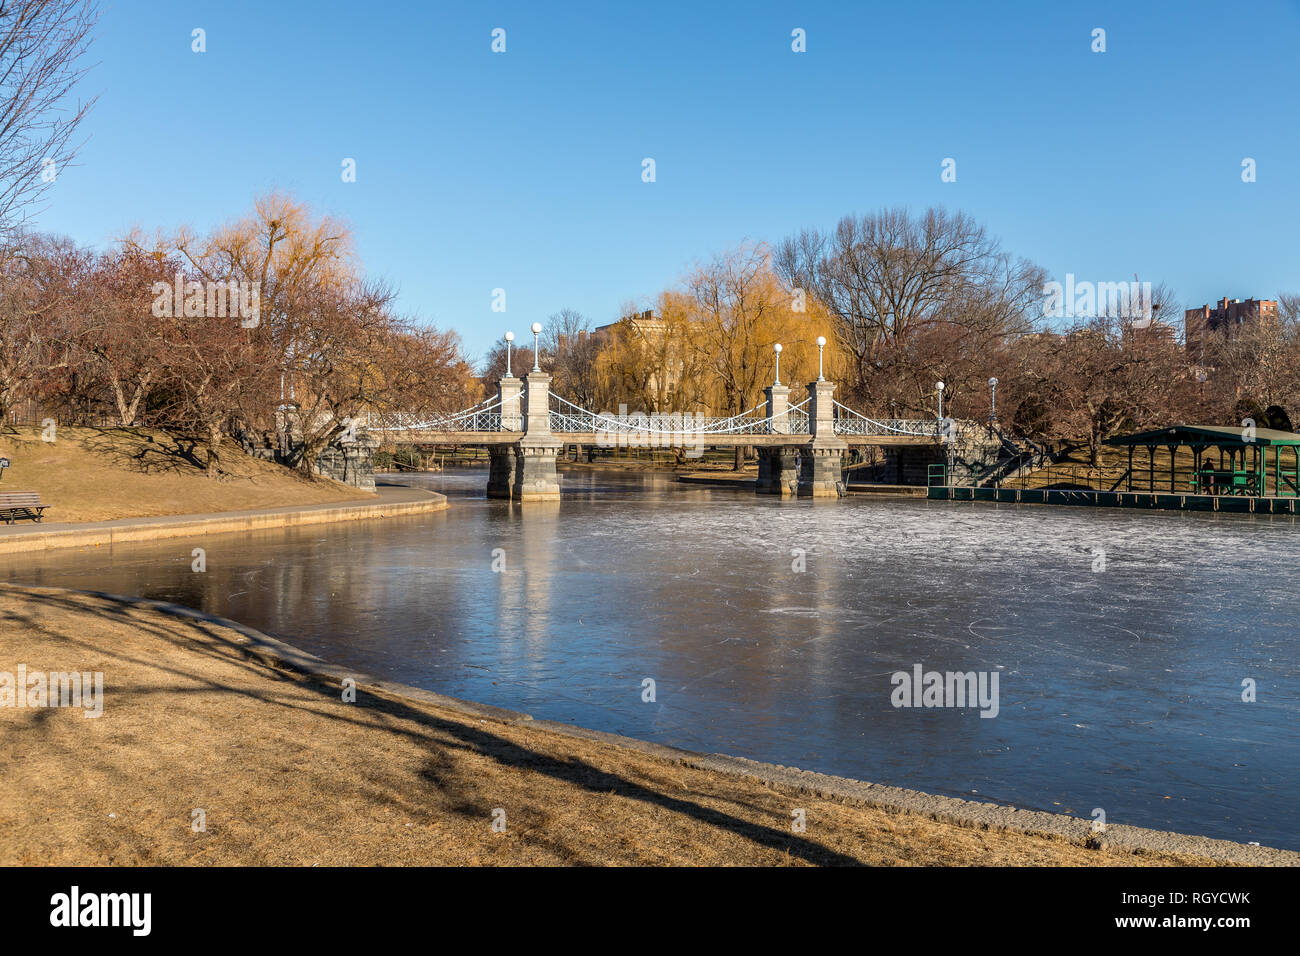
point(391, 500)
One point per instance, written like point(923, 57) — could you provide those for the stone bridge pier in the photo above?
point(809, 470)
point(525, 470)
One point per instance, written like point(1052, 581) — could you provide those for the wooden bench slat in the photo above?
point(21, 504)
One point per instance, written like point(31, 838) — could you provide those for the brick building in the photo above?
point(1224, 319)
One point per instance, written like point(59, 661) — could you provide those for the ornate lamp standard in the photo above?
point(510, 337)
point(537, 355)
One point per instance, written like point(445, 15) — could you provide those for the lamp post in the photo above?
point(993, 400)
point(777, 349)
point(537, 357)
point(510, 337)
point(821, 344)
point(938, 387)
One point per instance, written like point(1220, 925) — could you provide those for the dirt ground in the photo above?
point(285, 772)
point(97, 474)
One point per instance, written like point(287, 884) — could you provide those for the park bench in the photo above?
point(21, 504)
point(1216, 481)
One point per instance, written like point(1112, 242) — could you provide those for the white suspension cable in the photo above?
point(453, 419)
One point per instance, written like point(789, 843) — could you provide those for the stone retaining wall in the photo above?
point(110, 534)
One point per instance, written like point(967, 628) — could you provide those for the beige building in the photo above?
point(651, 331)
point(644, 323)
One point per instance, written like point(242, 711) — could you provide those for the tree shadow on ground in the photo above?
point(441, 737)
point(146, 452)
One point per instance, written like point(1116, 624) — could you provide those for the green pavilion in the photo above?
point(1260, 462)
point(1243, 470)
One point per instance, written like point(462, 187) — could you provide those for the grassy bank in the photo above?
point(285, 772)
point(98, 474)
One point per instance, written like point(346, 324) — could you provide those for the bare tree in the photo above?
point(294, 259)
point(521, 360)
point(214, 369)
point(37, 342)
point(41, 48)
point(569, 340)
point(1102, 377)
point(895, 282)
point(1255, 366)
point(121, 337)
point(1288, 304)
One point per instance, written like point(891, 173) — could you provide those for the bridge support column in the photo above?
point(822, 459)
point(535, 478)
point(778, 473)
point(503, 460)
point(778, 407)
point(821, 471)
point(508, 392)
point(535, 475)
point(503, 464)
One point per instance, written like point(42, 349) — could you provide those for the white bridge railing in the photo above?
point(483, 417)
point(575, 418)
point(566, 417)
point(849, 422)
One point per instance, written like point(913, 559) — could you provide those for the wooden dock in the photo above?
point(1147, 500)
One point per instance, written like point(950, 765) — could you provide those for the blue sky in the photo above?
point(522, 170)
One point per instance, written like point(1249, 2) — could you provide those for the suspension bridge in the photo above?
point(524, 426)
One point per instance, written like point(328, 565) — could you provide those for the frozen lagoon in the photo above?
point(1120, 639)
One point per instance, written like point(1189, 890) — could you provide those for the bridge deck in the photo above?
point(429, 437)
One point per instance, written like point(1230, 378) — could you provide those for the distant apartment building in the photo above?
point(1157, 329)
point(1229, 316)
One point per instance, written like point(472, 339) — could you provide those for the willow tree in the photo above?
point(648, 362)
point(740, 309)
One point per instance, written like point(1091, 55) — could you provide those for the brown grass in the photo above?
point(97, 474)
point(289, 774)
